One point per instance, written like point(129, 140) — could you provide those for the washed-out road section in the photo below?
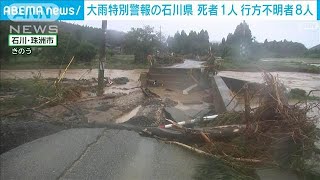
point(98, 153)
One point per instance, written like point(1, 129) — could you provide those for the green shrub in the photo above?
point(297, 93)
point(110, 52)
point(86, 52)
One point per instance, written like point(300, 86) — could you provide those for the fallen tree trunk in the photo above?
point(246, 160)
point(168, 134)
point(223, 132)
point(220, 133)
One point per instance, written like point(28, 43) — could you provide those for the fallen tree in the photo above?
point(220, 133)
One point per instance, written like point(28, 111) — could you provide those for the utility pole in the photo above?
point(160, 35)
point(160, 49)
point(102, 58)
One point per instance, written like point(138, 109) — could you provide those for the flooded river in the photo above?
point(71, 73)
point(305, 81)
point(132, 75)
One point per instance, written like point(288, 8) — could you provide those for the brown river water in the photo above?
point(305, 81)
point(71, 73)
point(132, 75)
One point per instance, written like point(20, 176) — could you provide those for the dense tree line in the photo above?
point(242, 44)
point(284, 48)
point(314, 52)
point(193, 43)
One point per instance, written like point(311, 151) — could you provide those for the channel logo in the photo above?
point(33, 12)
point(42, 11)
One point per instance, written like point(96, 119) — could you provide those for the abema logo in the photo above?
point(36, 11)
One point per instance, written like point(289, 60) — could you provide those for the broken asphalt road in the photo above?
point(98, 153)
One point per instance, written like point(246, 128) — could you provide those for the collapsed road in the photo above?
point(104, 153)
point(113, 152)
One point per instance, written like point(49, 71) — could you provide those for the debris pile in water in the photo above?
point(274, 133)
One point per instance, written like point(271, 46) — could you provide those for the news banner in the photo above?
point(80, 10)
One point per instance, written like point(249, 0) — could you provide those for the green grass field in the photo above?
point(123, 62)
point(293, 60)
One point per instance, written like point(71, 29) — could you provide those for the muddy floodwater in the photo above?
point(132, 75)
point(71, 73)
point(305, 81)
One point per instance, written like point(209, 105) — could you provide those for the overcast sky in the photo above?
point(304, 32)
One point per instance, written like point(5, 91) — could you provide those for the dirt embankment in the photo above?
point(26, 116)
point(21, 127)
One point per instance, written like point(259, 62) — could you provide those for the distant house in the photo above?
point(115, 49)
point(109, 46)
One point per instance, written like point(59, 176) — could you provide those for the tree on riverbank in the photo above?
point(141, 42)
point(193, 43)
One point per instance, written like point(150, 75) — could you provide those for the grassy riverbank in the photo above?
point(285, 65)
